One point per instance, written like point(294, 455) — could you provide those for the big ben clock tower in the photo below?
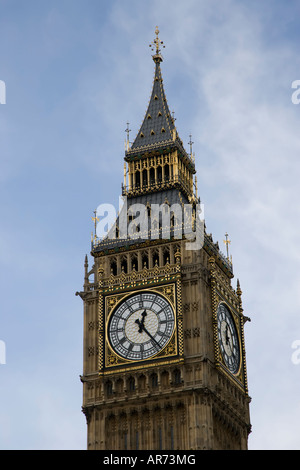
point(164, 355)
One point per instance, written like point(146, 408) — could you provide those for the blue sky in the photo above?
point(75, 73)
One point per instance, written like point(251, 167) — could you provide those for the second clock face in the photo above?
point(228, 338)
point(141, 326)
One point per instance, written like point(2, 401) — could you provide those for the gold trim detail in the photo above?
point(171, 292)
point(221, 293)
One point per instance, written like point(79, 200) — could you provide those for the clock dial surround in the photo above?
point(141, 326)
point(228, 338)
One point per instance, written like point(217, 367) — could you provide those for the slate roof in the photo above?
point(170, 197)
point(158, 124)
point(157, 131)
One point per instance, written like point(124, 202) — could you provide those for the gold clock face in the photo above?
point(141, 326)
point(228, 338)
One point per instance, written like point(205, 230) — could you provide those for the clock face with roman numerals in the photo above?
point(141, 326)
point(228, 338)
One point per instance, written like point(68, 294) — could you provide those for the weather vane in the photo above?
point(155, 45)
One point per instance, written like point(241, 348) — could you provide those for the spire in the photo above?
point(238, 288)
point(158, 126)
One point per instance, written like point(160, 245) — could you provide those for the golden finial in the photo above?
point(156, 44)
point(227, 242)
point(95, 220)
point(127, 130)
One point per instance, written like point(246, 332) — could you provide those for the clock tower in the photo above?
point(164, 363)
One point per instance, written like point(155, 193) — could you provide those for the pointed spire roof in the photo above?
point(158, 127)
point(158, 124)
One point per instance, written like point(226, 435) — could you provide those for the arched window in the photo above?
point(145, 178)
point(167, 173)
point(152, 176)
point(166, 256)
point(145, 262)
point(124, 266)
point(108, 388)
point(159, 174)
point(142, 382)
point(155, 258)
point(119, 386)
point(165, 379)
point(137, 179)
point(113, 267)
point(134, 262)
point(154, 380)
point(131, 384)
point(177, 377)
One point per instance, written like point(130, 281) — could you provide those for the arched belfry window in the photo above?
point(145, 178)
point(124, 267)
point(113, 267)
point(137, 179)
point(167, 172)
point(159, 173)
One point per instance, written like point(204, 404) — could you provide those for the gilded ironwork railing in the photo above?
point(137, 277)
point(150, 186)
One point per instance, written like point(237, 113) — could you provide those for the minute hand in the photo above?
point(150, 336)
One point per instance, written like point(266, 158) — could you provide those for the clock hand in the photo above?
point(144, 314)
point(226, 335)
point(141, 323)
point(228, 338)
point(143, 328)
point(151, 337)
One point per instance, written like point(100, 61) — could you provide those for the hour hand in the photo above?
point(141, 323)
point(144, 314)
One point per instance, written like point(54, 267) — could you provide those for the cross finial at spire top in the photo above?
point(156, 46)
